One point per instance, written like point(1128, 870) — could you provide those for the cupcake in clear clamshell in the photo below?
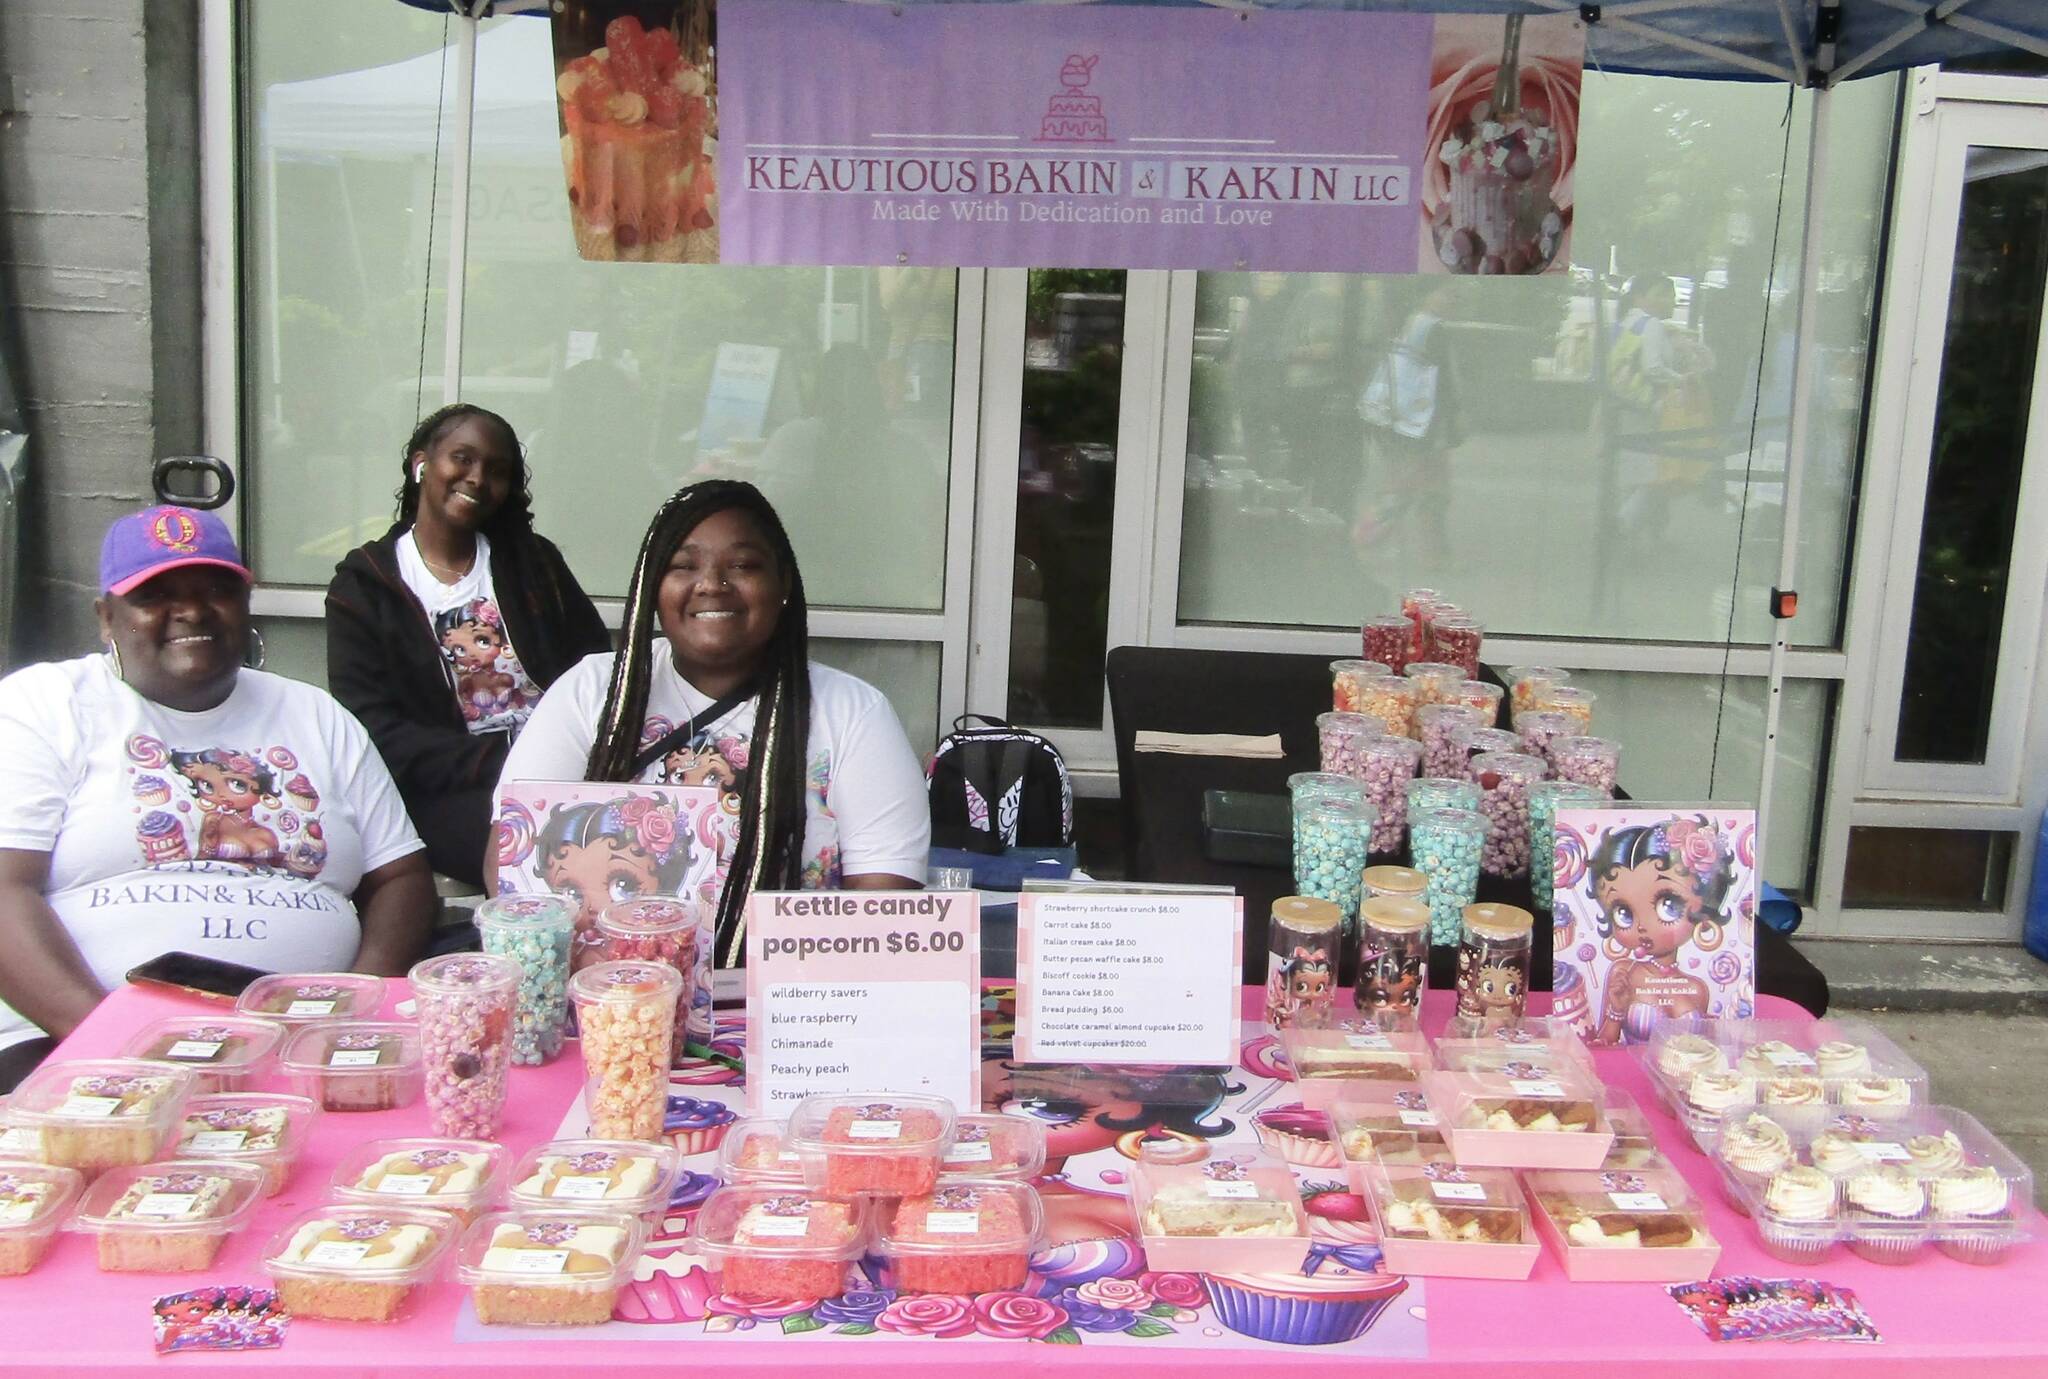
point(1888, 1206)
point(1875, 1091)
point(1841, 1058)
point(1753, 1151)
point(1796, 1217)
point(1973, 1211)
point(1934, 1155)
point(1684, 1056)
point(1838, 1154)
point(1792, 1091)
point(1774, 1058)
point(1711, 1093)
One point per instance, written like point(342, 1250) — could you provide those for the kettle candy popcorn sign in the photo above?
point(1114, 136)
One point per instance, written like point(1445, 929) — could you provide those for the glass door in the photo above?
point(1063, 522)
point(1962, 620)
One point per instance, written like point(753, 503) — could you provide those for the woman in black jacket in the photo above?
point(443, 633)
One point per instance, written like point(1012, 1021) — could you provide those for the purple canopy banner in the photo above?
point(1034, 135)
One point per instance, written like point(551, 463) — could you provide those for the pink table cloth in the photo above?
point(1937, 1316)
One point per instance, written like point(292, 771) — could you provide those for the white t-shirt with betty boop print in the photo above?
point(240, 832)
point(865, 809)
point(492, 688)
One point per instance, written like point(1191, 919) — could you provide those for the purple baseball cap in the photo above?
point(142, 546)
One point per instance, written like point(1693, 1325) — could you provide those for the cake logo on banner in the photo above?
point(1656, 918)
point(598, 845)
point(1502, 140)
point(1073, 116)
point(636, 88)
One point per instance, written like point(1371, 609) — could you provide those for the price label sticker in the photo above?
point(876, 1130)
point(94, 1106)
point(354, 1058)
point(18, 1209)
point(1418, 1118)
point(217, 1141)
point(1789, 1058)
point(1882, 1151)
point(21, 1140)
point(1637, 1201)
point(1459, 1192)
point(167, 1204)
point(583, 1189)
point(781, 1228)
point(953, 1222)
point(538, 1262)
point(195, 1050)
point(407, 1184)
point(1244, 1192)
point(975, 1152)
point(1369, 1039)
point(306, 1009)
point(338, 1252)
point(1524, 1087)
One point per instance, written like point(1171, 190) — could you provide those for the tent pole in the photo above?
point(1804, 351)
point(458, 219)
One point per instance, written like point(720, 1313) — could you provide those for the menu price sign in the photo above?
point(863, 991)
point(1128, 978)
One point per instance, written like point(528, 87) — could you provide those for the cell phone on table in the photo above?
point(210, 979)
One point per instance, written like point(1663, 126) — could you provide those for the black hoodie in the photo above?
point(386, 666)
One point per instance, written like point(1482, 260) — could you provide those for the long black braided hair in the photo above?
point(769, 852)
point(514, 517)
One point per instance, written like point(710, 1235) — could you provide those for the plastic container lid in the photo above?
point(649, 917)
point(1489, 1043)
point(780, 1223)
point(1517, 765)
point(353, 1048)
point(871, 1123)
point(756, 1150)
point(343, 1242)
point(211, 1044)
point(35, 1198)
point(1344, 811)
point(1455, 820)
point(1393, 914)
point(1359, 1051)
point(1583, 745)
point(1435, 670)
point(1305, 783)
point(526, 912)
point(112, 1093)
point(447, 1175)
point(995, 1146)
point(1306, 914)
point(175, 1196)
point(625, 1176)
point(551, 1248)
point(625, 983)
point(254, 1126)
point(1238, 1215)
point(978, 1214)
point(1359, 724)
point(1516, 674)
point(1401, 1130)
point(465, 974)
point(299, 998)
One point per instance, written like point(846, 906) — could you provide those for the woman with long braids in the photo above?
point(443, 633)
point(715, 663)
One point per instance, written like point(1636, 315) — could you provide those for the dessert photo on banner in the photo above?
point(636, 86)
point(1656, 918)
point(1500, 143)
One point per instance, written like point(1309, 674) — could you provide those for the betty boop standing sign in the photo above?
point(1656, 918)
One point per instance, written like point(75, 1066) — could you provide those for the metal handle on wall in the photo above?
point(193, 481)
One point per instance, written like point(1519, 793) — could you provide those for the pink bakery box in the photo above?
point(1264, 1179)
point(1461, 1100)
point(1400, 1058)
point(1451, 1188)
point(1649, 1192)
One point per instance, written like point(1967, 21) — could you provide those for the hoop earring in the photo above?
point(114, 661)
point(258, 652)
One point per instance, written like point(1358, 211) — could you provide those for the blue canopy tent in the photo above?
point(1810, 43)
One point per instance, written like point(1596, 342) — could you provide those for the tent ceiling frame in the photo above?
point(1610, 18)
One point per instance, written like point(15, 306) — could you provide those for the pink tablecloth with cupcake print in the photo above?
point(1090, 1300)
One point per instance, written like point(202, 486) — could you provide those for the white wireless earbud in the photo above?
point(419, 471)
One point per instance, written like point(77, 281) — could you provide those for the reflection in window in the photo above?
point(831, 388)
point(1563, 455)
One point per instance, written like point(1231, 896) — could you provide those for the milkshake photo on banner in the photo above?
point(1501, 142)
point(636, 86)
point(1656, 918)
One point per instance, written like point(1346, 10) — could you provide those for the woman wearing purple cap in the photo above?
point(160, 797)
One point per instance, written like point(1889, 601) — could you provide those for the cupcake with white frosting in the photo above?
point(1973, 1211)
point(1837, 1154)
point(1796, 1221)
point(1889, 1204)
point(1840, 1058)
point(1792, 1091)
point(1875, 1091)
point(1685, 1056)
point(1935, 1156)
point(1753, 1151)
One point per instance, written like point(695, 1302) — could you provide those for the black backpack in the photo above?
point(999, 787)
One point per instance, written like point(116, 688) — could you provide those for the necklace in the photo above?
point(437, 567)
